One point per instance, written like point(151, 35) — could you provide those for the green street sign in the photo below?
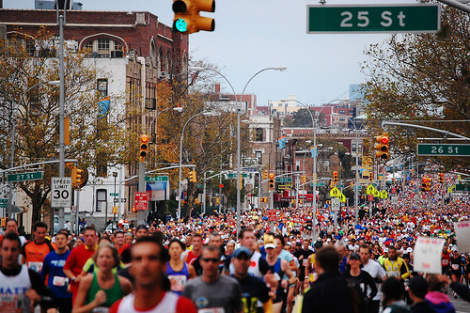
point(234, 175)
point(112, 194)
point(430, 149)
point(462, 187)
point(318, 184)
point(156, 178)
point(3, 203)
point(382, 18)
point(25, 176)
point(284, 180)
point(340, 186)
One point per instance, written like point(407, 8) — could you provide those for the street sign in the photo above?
point(394, 199)
point(221, 186)
point(394, 190)
point(342, 198)
point(116, 200)
point(340, 186)
point(388, 18)
point(284, 186)
point(429, 149)
point(61, 192)
point(156, 178)
point(3, 203)
point(25, 176)
point(383, 194)
point(234, 175)
point(318, 184)
point(335, 192)
point(284, 180)
point(141, 201)
point(370, 197)
point(376, 193)
point(272, 217)
point(370, 190)
point(462, 187)
point(335, 204)
point(112, 194)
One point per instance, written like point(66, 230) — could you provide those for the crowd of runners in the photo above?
point(202, 264)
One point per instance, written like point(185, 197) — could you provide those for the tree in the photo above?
point(423, 79)
point(26, 65)
point(208, 141)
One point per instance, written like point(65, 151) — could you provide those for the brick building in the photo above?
point(135, 51)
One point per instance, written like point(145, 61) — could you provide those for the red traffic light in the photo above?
point(384, 140)
point(271, 176)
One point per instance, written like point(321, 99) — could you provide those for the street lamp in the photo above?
point(314, 128)
point(356, 192)
point(178, 214)
point(13, 136)
point(198, 69)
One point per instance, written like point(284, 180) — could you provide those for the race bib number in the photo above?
point(14, 304)
point(100, 309)
point(35, 266)
point(455, 267)
point(59, 281)
point(211, 310)
point(445, 262)
point(177, 282)
point(393, 274)
point(305, 262)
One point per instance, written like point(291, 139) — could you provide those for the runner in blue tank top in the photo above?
point(177, 271)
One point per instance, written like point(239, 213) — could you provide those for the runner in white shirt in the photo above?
point(377, 272)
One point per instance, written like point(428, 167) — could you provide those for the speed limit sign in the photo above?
point(61, 192)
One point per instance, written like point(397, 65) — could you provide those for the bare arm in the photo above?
point(79, 306)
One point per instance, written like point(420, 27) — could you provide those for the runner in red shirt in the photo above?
point(148, 264)
point(78, 257)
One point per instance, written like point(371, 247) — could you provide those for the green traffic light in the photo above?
point(180, 25)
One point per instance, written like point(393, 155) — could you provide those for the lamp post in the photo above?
point(356, 191)
point(13, 140)
point(314, 128)
point(178, 214)
point(280, 68)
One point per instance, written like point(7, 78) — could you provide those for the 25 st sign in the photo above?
point(390, 18)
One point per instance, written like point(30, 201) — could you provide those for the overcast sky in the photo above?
point(254, 34)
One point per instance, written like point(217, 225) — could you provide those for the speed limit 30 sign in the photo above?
point(61, 196)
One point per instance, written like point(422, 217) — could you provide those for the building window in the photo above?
point(259, 134)
point(342, 112)
point(103, 44)
point(102, 87)
point(104, 48)
point(259, 156)
point(353, 147)
point(101, 200)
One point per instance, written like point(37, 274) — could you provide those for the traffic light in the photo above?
point(271, 181)
point(303, 179)
point(241, 182)
point(265, 174)
point(115, 210)
point(371, 177)
point(429, 184)
point(264, 199)
point(192, 177)
point(441, 179)
point(424, 184)
point(382, 147)
point(77, 177)
point(335, 177)
point(144, 146)
point(187, 19)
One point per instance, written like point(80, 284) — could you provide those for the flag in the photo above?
point(282, 142)
point(314, 151)
point(103, 107)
